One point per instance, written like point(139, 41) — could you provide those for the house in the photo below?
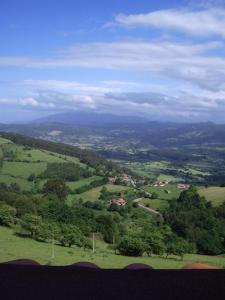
point(159, 183)
point(183, 186)
point(112, 180)
point(126, 178)
point(120, 201)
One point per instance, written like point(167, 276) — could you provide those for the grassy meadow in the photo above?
point(156, 204)
point(161, 191)
point(214, 194)
point(14, 247)
point(93, 194)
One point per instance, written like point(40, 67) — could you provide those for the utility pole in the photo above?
point(53, 247)
point(93, 242)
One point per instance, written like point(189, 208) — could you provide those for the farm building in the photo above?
point(112, 180)
point(183, 186)
point(159, 183)
point(120, 201)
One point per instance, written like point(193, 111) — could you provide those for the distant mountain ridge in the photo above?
point(89, 119)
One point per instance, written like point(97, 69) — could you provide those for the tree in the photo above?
point(56, 186)
point(7, 215)
point(107, 226)
point(14, 187)
point(103, 193)
point(131, 246)
point(31, 178)
point(70, 235)
point(47, 231)
point(153, 243)
point(29, 225)
point(177, 246)
point(154, 195)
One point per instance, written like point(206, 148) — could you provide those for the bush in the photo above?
point(130, 246)
point(7, 215)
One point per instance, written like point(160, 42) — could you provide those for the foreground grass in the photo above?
point(13, 247)
point(214, 194)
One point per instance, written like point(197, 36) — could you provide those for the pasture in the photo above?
point(76, 184)
point(161, 191)
point(22, 169)
point(14, 247)
point(156, 204)
point(214, 194)
point(93, 194)
point(4, 141)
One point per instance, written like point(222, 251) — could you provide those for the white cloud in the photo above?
point(187, 61)
point(206, 22)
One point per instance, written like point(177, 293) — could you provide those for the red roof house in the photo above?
point(120, 201)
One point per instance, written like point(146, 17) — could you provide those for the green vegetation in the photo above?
point(4, 141)
point(14, 247)
point(22, 169)
point(214, 194)
point(161, 192)
point(83, 182)
point(155, 203)
point(67, 199)
point(93, 194)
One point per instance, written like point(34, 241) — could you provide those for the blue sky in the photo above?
point(163, 60)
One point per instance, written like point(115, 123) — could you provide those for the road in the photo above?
point(151, 210)
point(148, 194)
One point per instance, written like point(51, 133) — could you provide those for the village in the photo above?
point(140, 185)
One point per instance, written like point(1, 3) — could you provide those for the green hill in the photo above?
point(22, 157)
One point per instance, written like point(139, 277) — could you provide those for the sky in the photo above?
point(162, 60)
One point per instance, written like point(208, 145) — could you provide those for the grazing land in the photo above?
point(214, 194)
point(41, 183)
point(156, 204)
point(13, 247)
point(167, 192)
point(93, 194)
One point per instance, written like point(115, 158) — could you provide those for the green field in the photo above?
point(174, 192)
point(29, 161)
point(22, 169)
point(23, 183)
point(214, 194)
point(155, 203)
point(93, 194)
point(13, 247)
point(82, 182)
point(4, 141)
point(149, 169)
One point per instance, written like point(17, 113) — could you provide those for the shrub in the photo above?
point(130, 246)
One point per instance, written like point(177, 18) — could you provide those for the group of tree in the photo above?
point(66, 171)
point(194, 218)
point(191, 223)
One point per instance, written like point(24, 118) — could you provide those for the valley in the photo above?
point(74, 192)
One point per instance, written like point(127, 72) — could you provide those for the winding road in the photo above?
point(151, 210)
